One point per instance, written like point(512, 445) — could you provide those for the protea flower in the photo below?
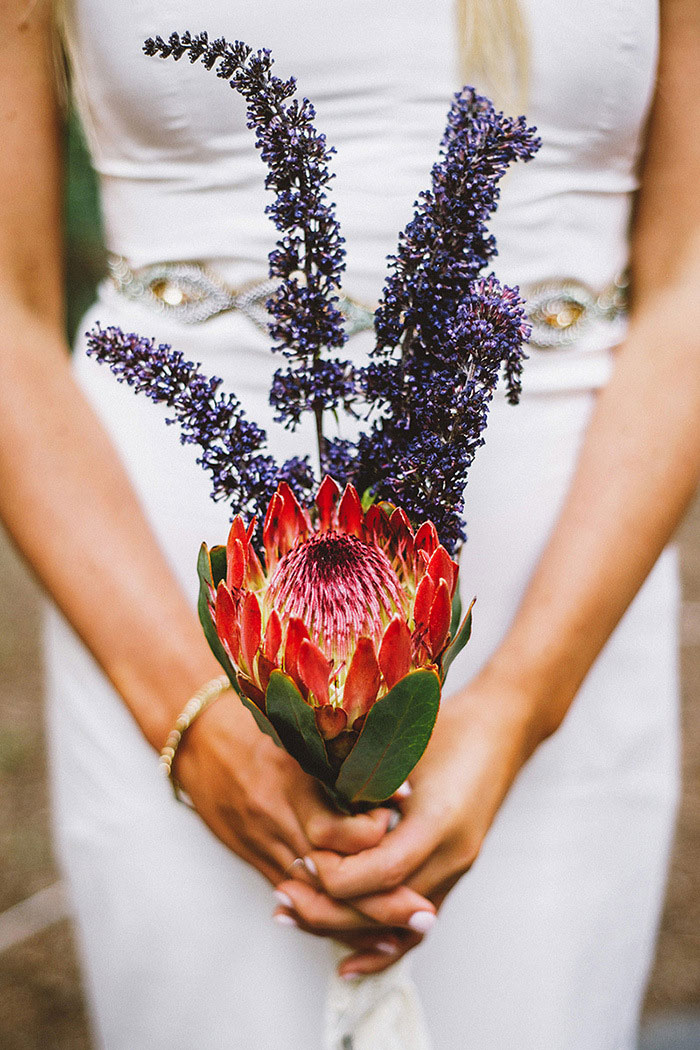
point(340, 641)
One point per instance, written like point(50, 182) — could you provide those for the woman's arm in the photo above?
point(637, 471)
point(71, 510)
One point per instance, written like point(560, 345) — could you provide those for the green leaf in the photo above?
point(458, 643)
point(207, 570)
point(295, 723)
point(217, 556)
point(204, 571)
point(456, 612)
point(395, 735)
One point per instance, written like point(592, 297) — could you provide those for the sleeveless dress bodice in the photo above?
point(180, 176)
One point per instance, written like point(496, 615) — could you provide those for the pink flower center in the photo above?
point(341, 587)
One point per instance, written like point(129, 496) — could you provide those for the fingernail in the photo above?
point(310, 866)
point(282, 919)
point(394, 820)
point(284, 899)
point(299, 870)
point(404, 791)
point(422, 921)
point(349, 975)
point(386, 948)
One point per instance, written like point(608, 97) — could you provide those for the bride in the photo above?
point(527, 874)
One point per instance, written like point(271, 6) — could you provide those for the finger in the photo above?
point(402, 907)
point(271, 855)
point(363, 962)
point(262, 822)
point(440, 873)
point(383, 942)
point(343, 834)
point(381, 868)
point(317, 910)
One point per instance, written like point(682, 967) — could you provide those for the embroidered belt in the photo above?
point(559, 311)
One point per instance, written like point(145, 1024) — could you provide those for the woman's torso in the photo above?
point(180, 177)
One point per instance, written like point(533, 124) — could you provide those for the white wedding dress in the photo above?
point(547, 942)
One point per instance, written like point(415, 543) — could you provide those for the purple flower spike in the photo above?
point(309, 256)
point(232, 446)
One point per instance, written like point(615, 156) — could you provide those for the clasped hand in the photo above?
point(382, 897)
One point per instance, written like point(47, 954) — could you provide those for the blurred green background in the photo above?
point(41, 1000)
point(85, 255)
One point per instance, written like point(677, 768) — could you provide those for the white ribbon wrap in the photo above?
point(378, 1012)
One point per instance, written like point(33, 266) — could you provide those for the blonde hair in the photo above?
point(494, 49)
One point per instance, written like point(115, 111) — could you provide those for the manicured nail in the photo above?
point(310, 866)
point(394, 820)
point(422, 921)
point(284, 899)
point(298, 870)
point(386, 948)
point(349, 975)
point(282, 919)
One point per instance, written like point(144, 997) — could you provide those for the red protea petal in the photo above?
point(395, 651)
point(273, 636)
point(291, 519)
point(314, 670)
point(427, 538)
point(226, 619)
point(236, 562)
point(441, 567)
point(440, 616)
point(252, 691)
point(359, 722)
point(331, 721)
point(256, 576)
point(402, 533)
point(351, 518)
point(238, 530)
point(363, 680)
point(296, 633)
point(326, 499)
point(251, 625)
point(421, 565)
point(377, 524)
point(265, 669)
point(425, 595)
point(271, 530)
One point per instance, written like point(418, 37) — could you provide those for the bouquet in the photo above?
point(334, 607)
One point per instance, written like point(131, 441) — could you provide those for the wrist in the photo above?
point(156, 684)
point(533, 696)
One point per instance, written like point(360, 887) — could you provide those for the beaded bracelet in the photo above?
point(201, 700)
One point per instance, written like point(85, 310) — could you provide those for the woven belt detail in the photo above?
point(190, 293)
point(559, 311)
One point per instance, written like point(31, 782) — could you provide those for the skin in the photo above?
point(133, 617)
point(606, 540)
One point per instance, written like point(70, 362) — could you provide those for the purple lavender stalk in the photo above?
point(232, 446)
point(309, 256)
point(443, 334)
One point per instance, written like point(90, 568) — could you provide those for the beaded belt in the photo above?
point(559, 311)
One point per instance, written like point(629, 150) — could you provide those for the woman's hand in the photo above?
point(255, 797)
point(481, 740)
